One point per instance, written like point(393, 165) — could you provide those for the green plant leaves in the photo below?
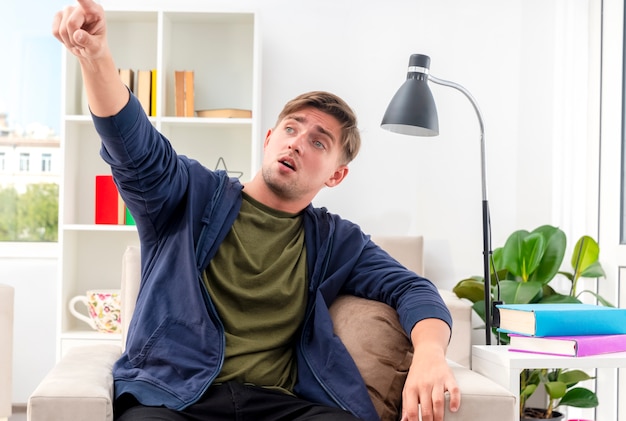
point(555, 244)
point(594, 270)
point(600, 299)
point(556, 298)
point(472, 288)
point(479, 308)
point(522, 253)
point(561, 388)
point(586, 252)
point(585, 261)
point(528, 390)
point(571, 377)
point(534, 256)
point(519, 292)
point(579, 397)
point(555, 390)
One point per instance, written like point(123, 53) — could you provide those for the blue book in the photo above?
point(561, 319)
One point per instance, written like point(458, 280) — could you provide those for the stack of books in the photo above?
point(575, 330)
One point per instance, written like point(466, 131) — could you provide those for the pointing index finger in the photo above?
point(88, 5)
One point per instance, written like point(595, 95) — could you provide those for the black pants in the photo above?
point(234, 402)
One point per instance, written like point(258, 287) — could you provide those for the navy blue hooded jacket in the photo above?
point(183, 211)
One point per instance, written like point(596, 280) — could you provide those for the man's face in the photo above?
point(303, 154)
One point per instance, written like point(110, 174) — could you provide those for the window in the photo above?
point(30, 117)
point(46, 162)
point(24, 162)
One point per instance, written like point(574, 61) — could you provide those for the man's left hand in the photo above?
point(429, 377)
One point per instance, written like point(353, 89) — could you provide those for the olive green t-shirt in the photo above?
point(258, 284)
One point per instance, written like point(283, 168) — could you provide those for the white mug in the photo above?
point(103, 307)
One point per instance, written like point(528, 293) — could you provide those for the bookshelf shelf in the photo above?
point(90, 334)
point(204, 121)
point(101, 228)
point(85, 337)
point(78, 118)
point(162, 36)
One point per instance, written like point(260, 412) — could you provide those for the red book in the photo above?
point(108, 201)
point(573, 346)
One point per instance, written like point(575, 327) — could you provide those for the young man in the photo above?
point(231, 320)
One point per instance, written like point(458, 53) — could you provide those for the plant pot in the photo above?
point(538, 414)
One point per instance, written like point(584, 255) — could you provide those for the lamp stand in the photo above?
point(485, 204)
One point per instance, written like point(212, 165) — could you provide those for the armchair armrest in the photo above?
point(460, 347)
point(481, 398)
point(79, 387)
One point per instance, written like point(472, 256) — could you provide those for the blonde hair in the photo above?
point(332, 105)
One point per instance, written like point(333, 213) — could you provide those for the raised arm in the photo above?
point(82, 29)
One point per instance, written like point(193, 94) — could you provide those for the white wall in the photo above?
point(31, 268)
point(524, 61)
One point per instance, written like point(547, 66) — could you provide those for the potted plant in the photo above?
point(521, 273)
point(559, 385)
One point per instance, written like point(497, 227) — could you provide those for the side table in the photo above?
point(499, 364)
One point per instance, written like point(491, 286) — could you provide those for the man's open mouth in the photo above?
point(288, 164)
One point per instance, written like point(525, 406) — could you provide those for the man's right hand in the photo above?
point(82, 29)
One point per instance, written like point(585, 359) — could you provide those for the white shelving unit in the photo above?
point(223, 50)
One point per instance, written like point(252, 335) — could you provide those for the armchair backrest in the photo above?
point(131, 279)
point(408, 250)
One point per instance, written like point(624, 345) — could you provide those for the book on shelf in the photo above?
point(189, 94)
point(144, 89)
point(183, 93)
point(179, 93)
point(570, 346)
point(110, 208)
point(128, 217)
point(128, 78)
point(153, 92)
point(561, 319)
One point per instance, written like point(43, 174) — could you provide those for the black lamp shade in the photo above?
point(412, 109)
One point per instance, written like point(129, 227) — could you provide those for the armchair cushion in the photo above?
point(372, 333)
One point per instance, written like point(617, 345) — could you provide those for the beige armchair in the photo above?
point(6, 350)
point(80, 387)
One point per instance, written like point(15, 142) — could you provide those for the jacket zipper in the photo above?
point(320, 381)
